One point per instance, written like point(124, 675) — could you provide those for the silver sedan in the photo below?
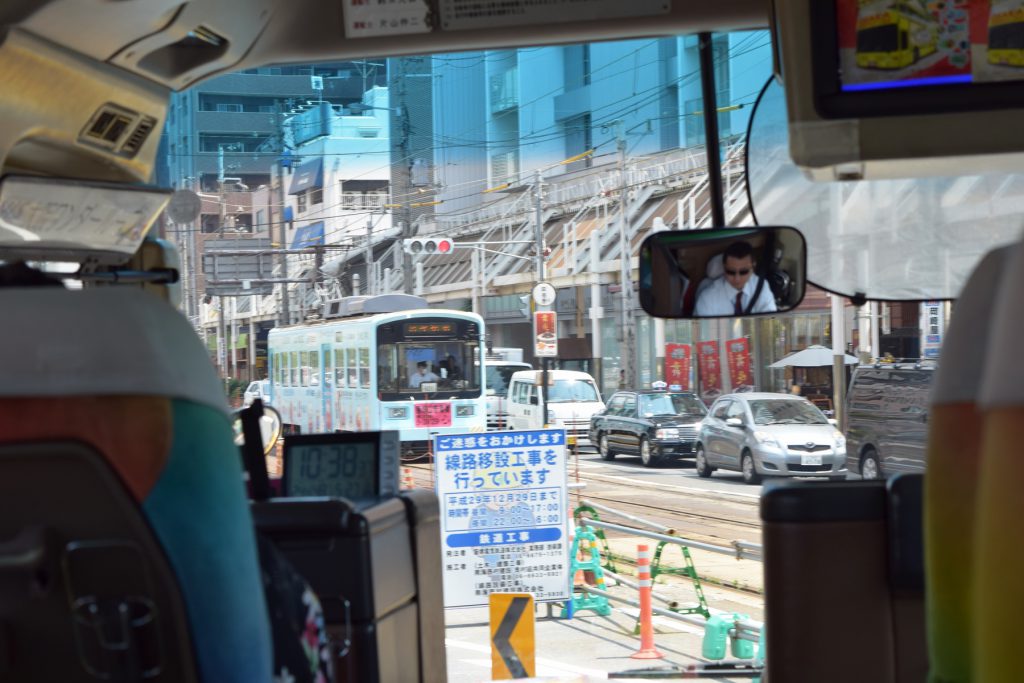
point(762, 434)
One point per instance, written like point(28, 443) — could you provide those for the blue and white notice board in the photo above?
point(504, 515)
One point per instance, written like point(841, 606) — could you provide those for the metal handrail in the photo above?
point(741, 550)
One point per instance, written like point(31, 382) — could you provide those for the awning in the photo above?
point(308, 174)
point(311, 235)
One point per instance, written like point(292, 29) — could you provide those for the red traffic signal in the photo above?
point(429, 245)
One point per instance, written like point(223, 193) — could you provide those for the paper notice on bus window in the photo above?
point(433, 415)
point(475, 14)
point(369, 18)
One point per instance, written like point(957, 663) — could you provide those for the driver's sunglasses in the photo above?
point(745, 271)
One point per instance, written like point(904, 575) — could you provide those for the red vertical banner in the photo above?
point(710, 370)
point(738, 352)
point(677, 366)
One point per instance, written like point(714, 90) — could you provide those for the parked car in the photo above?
point(656, 425)
point(572, 397)
point(762, 434)
point(887, 418)
point(260, 389)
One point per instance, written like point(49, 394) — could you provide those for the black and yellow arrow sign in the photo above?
point(512, 641)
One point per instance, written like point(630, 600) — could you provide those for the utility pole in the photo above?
point(371, 282)
point(284, 317)
point(538, 235)
point(626, 266)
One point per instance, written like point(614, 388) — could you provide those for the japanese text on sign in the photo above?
point(433, 414)
point(505, 518)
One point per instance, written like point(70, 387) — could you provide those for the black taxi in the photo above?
point(655, 424)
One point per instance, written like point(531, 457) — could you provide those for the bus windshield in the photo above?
point(877, 39)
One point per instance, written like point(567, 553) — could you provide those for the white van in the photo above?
point(498, 377)
point(572, 398)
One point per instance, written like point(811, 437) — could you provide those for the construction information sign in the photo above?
point(505, 517)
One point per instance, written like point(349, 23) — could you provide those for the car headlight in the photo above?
point(766, 439)
point(398, 413)
point(464, 411)
point(840, 440)
point(667, 433)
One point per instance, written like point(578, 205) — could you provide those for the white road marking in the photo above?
point(545, 667)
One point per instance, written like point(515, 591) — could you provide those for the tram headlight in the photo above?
point(398, 413)
point(465, 411)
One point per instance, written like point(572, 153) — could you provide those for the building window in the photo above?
point(229, 107)
point(359, 195)
point(316, 196)
point(300, 201)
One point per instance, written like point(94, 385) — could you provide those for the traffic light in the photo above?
point(428, 246)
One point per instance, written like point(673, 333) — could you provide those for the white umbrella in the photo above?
point(812, 357)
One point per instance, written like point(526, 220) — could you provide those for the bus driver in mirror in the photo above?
point(422, 374)
point(732, 292)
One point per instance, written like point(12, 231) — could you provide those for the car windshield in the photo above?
point(572, 391)
point(670, 404)
point(785, 411)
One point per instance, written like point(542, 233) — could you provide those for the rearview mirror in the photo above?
point(722, 272)
point(734, 422)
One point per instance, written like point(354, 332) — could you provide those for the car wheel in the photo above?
point(869, 468)
point(604, 449)
point(647, 456)
point(750, 475)
point(703, 469)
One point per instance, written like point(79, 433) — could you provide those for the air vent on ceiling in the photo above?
point(118, 130)
point(135, 141)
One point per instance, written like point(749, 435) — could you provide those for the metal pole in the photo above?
point(539, 245)
point(625, 266)
point(838, 360)
point(252, 337)
point(711, 141)
point(371, 284)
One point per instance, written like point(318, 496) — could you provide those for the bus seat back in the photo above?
point(832, 581)
point(119, 457)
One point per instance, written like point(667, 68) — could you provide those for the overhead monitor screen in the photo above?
point(886, 44)
point(334, 465)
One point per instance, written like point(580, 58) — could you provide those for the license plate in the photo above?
point(810, 459)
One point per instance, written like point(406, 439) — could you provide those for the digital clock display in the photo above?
point(338, 470)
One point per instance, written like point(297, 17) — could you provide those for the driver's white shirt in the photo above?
point(418, 379)
point(718, 298)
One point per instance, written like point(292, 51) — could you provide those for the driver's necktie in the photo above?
point(739, 304)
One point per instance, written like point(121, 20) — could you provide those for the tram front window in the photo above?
point(428, 367)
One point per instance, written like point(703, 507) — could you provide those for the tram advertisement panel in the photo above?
point(504, 510)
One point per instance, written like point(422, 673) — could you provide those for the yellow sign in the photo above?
point(512, 636)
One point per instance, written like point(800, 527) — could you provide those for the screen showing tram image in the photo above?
point(887, 44)
point(424, 357)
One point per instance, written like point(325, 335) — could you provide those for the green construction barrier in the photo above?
point(716, 638)
point(581, 599)
point(741, 649)
point(609, 562)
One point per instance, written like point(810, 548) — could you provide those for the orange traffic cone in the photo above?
point(407, 482)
